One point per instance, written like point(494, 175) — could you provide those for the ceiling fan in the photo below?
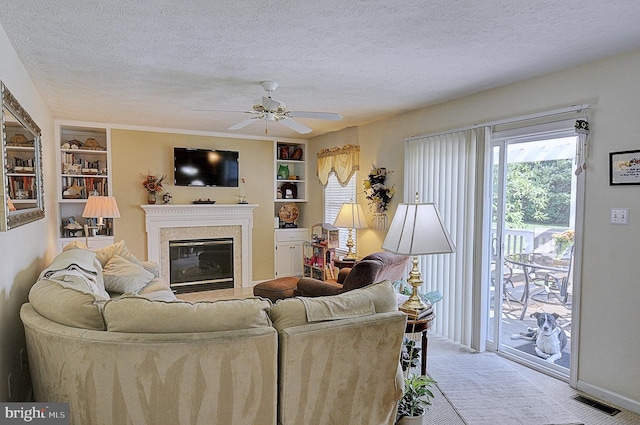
point(269, 109)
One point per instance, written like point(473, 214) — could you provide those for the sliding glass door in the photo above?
point(532, 220)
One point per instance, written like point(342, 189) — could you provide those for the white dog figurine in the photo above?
point(550, 338)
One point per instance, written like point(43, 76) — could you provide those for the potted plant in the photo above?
point(416, 399)
point(417, 394)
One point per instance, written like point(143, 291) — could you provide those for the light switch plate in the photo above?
point(620, 216)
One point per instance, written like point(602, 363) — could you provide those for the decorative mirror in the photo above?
point(22, 196)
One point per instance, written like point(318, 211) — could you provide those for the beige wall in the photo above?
point(372, 152)
point(24, 251)
point(136, 153)
point(609, 334)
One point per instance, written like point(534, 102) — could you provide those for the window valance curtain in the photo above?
point(343, 161)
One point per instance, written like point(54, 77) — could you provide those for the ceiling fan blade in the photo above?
point(295, 125)
point(243, 123)
point(223, 110)
point(316, 115)
point(270, 104)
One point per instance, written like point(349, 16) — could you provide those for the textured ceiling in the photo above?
point(154, 62)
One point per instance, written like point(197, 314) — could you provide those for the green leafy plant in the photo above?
point(417, 396)
point(402, 287)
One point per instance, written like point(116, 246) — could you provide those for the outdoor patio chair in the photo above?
point(554, 287)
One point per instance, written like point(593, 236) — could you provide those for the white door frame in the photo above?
point(481, 312)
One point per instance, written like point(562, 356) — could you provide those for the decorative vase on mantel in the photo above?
point(151, 198)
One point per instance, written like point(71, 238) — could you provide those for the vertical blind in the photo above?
point(442, 169)
point(334, 196)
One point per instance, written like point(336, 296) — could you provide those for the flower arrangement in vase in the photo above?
point(379, 195)
point(563, 241)
point(153, 185)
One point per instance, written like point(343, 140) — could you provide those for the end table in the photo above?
point(421, 325)
point(342, 263)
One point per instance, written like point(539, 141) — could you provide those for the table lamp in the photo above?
point(99, 207)
point(417, 229)
point(351, 217)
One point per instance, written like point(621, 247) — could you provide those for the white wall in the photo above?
point(24, 250)
point(609, 334)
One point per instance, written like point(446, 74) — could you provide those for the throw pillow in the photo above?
point(67, 303)
point(119, 248)
point(121, 275)
point(158, 290)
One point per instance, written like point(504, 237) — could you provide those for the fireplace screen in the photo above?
point(201, 264)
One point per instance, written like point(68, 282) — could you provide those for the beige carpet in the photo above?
point(485, 389)
point(472, 382)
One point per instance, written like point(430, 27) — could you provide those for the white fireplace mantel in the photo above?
point(158, 217)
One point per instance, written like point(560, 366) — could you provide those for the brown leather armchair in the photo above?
point(373, 268)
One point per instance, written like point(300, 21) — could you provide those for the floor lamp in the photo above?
point(351, 217)
point(99, 207)
point(417, 229)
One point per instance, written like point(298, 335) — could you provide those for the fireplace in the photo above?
point(201, 264)
point(168, 222)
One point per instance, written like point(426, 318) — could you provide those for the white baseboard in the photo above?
point(610, 397)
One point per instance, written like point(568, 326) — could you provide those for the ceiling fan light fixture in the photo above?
point(269, 109)
point(271, 105)
point(269, 116)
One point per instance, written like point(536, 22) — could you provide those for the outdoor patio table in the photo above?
point(532, 263)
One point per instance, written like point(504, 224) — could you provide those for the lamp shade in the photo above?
point(101, 206)
point(417, 229)
point(351, 216)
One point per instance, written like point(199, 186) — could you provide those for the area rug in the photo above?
point(530, 348)
point(441, 411)
point(484, 389)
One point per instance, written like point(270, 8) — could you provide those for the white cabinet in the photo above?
point(83, 169)
point(289, 251)
point(290, 187)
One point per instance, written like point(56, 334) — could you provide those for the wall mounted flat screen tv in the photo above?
point(204, 167)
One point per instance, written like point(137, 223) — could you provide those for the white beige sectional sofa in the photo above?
point(138, 356)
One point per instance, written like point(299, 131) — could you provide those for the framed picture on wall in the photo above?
point(624, 167)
